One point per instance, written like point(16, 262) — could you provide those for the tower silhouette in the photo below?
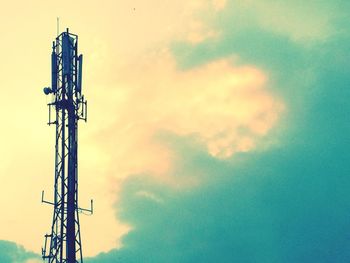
point(67, 107)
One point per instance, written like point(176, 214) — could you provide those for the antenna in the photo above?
point(58, 25)
point(63, 244)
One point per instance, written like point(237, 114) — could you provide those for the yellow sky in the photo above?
point(134, 90)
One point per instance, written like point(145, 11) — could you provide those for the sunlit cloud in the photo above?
point(219, 4)
point(225, 108)
point(199, 32)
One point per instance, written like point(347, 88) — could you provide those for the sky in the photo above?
point(217, 132)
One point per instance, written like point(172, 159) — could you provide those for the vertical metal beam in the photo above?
point(71, 176)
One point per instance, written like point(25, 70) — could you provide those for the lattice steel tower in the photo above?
point(67, 107)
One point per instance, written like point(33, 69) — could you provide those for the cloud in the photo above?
point(225, 108)
point(10, 252)
point(135, 144)
point(219, 4)
point(149, 196)
point(306, 23)
point(288, 204)
point(33, 261)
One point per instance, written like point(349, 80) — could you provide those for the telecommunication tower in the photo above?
point(68, 106)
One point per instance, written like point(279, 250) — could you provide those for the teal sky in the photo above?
point(284, 200)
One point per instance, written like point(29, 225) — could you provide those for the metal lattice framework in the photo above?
point(68, 106)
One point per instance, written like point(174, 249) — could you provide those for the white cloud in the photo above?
point(150, 196)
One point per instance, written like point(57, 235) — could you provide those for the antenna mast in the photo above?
point(66, 109)
point(58, 25)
